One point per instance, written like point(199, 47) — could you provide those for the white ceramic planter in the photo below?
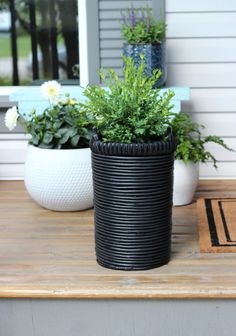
point(60, 180)
point(185, 182)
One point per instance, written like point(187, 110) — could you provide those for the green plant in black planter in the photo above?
point(132, 160)
point(144, 35)
point(191, 150)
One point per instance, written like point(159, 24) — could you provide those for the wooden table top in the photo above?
point(45, 254)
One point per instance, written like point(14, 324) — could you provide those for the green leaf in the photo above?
point(43, 145)
point(65, 137)
point(74, 140)
point(57, 124)
point(35, 140)
point(47, 138)
point(191, 142)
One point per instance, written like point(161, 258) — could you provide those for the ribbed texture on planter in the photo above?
point(145, 149)
point(133, 206)
point(154, 56)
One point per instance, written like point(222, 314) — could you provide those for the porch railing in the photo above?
point(34, 32)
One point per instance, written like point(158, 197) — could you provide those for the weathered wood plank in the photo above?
point(45, 254)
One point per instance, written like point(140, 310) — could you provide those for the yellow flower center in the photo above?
point(52, 91)
point(71, 102)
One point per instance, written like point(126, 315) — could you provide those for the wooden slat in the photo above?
point(110, 44)
point(181, 25)
point(118, 5)
point(46, 254)
point(189, 25)
point(111, 53)
point(201, 25)
point(200, 5)
point(225, 170)
point(11, 171)
point(211, 100)
point(202, 75)
point(13, 151)
point(110, 24)
point(112, 14)
point(110, 34)
point(221, 124)
point(14, 136)
point(112, 62)
point(201, 50)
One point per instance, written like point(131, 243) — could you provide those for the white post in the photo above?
point(83, 43)
point(88, 42)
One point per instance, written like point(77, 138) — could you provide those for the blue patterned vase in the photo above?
point(154, 56)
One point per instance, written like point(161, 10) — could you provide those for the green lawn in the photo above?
point(23, 44)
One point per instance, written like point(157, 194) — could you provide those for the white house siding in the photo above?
point(13, 145)
point(201, 42)
point(13, 148)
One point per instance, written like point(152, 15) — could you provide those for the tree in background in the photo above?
point(3, 4)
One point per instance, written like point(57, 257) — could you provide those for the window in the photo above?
point(38, 40)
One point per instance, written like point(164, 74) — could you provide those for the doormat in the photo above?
point(217, 224)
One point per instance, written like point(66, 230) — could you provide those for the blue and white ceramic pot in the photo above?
point(154, 56)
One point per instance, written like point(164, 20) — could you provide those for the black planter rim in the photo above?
point(155, 148)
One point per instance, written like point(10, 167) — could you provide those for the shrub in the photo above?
point(130, 110)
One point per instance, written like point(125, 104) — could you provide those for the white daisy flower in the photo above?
point(51, 90)
point(11, 117)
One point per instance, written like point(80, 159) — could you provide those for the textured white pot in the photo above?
point(185, 182)
point(60, 180)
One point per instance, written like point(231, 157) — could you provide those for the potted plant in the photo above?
point(132, 161)
point(58, 166)
point(144, 35)
point(190, 151)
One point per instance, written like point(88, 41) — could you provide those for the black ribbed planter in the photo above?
point(133, 186)
point(154, 57)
